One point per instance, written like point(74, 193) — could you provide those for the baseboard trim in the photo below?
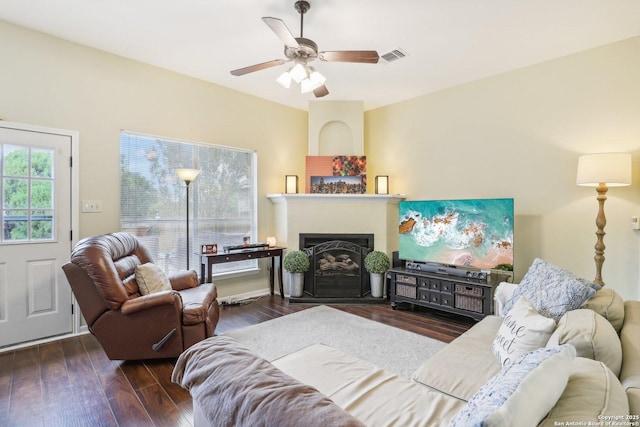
point(245, 295)
point(26, 344)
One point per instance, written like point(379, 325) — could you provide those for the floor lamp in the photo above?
point(187, 175)
point(603, 170)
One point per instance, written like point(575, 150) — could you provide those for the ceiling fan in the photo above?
point(302, 51)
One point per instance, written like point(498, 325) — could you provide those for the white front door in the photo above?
point(35, 233)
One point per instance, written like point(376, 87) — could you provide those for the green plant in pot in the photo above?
point(296, 263)
point(377, 263)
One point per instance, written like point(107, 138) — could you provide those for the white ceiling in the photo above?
point(448, 42)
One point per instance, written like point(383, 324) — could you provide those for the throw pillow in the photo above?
point(552, 290)
point(610, 305)
point(503, 293)
point(589, 283)
point(592, 336)
point(523, 329)
point(150, 278)
point(524, 391)
point(592, 393)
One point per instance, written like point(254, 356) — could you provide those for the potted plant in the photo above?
point(296, 263)
point(377, 263)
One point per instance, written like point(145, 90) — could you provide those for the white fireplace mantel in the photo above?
point(375, 214)
point(376, 198)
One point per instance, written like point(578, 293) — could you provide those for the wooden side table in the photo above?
point(207, 261)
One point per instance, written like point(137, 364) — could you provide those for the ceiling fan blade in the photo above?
point(321, 91)
point(281, 30)
point(257, 67)
point(367, 56)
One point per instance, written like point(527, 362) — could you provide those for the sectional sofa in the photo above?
point(512, 368)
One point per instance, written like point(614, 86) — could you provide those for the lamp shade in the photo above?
point(291, 184)
point(285, 80)
point(317, 78)
point(187, 175)
point(298, 72)
point(612, 169)
point(382, 184)
point(306, 86)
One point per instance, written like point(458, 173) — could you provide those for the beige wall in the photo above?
point(49, 82)
point(514, 135)
point(519, 135)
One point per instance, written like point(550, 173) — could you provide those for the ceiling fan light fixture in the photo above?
point(317, 78)
point(302, 50)
point(298, 73)
point(306, 86)
point(284, 80)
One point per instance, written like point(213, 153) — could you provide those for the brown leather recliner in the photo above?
point(128, 325)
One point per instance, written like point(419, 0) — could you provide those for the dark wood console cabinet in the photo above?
point(460, 295)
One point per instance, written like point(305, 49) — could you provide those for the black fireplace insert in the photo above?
point(337, 265)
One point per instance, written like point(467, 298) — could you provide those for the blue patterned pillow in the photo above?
point(523, 391)
point(552, 290)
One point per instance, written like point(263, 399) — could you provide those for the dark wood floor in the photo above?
point(71, 382)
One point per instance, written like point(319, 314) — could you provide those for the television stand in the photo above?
point(459, 295)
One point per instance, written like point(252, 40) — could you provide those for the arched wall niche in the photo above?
point(335, 138)
point(332, 123)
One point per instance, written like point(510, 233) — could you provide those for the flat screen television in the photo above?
point(470, 233)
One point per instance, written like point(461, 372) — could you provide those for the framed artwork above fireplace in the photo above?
point(336, 166)
point(337, 185)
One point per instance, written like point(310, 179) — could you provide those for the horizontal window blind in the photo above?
point(222, 199)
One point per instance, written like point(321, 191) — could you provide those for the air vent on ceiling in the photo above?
point(394, 55)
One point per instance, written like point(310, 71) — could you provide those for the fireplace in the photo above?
point(336, 270)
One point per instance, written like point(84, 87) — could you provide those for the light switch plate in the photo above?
point(92, 206)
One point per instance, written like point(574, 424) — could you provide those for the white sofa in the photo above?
point(442, 386)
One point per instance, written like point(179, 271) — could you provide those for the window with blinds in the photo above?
point(153, 200)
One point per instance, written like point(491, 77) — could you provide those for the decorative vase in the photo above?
point(296, 283)
point(377, 284)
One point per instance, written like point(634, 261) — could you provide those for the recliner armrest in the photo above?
point(151, 300)
point(184, 279)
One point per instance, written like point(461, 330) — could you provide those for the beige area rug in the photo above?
point(392, 349)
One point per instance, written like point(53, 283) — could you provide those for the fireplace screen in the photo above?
point(337, 268)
